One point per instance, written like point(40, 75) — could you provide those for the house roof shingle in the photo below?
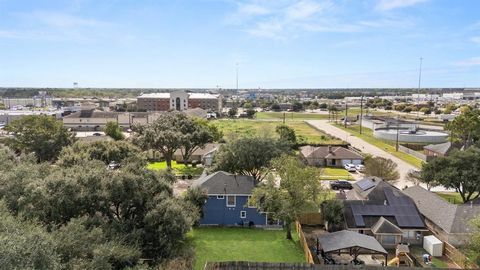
point(226, 183)
point(384, 226)
point(452, 218)
point(329, 152)
point(347, 239)
point(441, 148)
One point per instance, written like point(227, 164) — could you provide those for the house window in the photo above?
point(231, 201)
point(243, 214)
point(220, 197)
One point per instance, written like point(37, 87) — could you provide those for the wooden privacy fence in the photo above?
point(457, 257)
point(303, 243)
point(310, 219)
point(297, 266)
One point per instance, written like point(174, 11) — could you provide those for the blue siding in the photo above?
point(216, 212)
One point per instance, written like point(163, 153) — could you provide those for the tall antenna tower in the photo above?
point(419, 84)
point(237, 75)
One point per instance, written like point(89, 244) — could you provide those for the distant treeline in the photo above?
point(330, 93)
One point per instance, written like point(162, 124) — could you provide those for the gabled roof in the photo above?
point(347, 239)
point(329, 152)
point(207, 148)
point(441, 148)
point(371, 200)
point(226, 183)
point(452, 218)
point(383, 226)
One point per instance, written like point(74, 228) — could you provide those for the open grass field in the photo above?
point(244, 244)
point(178, 169)
point(367, 135)
point(289, 116)
point(238, 127)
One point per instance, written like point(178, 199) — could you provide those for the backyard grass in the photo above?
point(452, 197)
point(244, 244)
point(418, 252)
point(247, 128)
point(367, 135)
point(178, 169)
point(335, 174)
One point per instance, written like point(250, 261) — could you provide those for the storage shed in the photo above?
point(433, 245)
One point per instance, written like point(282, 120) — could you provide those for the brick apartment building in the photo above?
point(179, 101)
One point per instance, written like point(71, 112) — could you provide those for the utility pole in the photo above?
point(361, 113)
point(398, 130)
point(283, 117)
point(237, 75)
point(419, 84)
point(346, 114)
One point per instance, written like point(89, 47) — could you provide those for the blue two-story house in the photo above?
point(227, 203)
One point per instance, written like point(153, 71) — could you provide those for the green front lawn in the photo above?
point(178, 169)
point(335, 174)
point(388, 146)
point(244, 244)
point(241, 127)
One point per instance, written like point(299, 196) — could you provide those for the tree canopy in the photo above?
point(459, 171)
point(39, 134)
point(465, 128)
point(299, 189)
point(92, 217)
point(381, 167)
point(173, 131)
point(249, 156)
point(113, 130)
point(287, 134)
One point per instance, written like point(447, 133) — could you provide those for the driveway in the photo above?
point(403, 167)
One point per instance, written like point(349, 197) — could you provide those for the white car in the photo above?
point(360, 168)
point(350, 167)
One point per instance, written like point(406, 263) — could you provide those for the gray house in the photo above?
point(449, 222)
point(376, 208)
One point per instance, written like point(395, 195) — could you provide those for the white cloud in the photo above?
point(476, 39)
point(253, 9)
point(305, 9)
point(385, 5)
point(474, 61)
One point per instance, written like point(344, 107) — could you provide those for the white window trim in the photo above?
point(234, 202)
point(220, 197)
point(243, 214)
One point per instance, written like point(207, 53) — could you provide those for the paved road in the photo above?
point(403, 167)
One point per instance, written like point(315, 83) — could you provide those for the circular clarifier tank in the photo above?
point(410, 135)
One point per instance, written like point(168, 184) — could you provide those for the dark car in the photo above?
point(340, 184)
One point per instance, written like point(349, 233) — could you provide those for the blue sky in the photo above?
point(277, 44)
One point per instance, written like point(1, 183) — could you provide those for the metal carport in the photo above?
point(349, 242)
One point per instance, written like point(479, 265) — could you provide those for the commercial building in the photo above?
point(179, 101)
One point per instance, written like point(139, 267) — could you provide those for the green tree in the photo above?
point(474, 241)
point(195, 134)
point(24, 244)
point(287, 134)
point(299, 189)
point(122, 152)
point(196, 197)
point(332, 212)
point(465, 128)
point(457, 171)
point(250, 113)
point(381, 167)
point(249, 156)
point(232, 112)
point(165, 134)
point(40, 134)
point(113, 130)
